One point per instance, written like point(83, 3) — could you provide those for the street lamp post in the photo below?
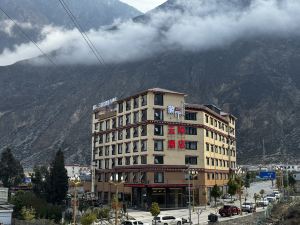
point(189, 189)
point(117, 182)
point(75, 181)
point(194, 174)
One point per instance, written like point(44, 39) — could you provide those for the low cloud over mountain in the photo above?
point(194, 25)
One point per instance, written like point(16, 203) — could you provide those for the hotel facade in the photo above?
point(155, 141)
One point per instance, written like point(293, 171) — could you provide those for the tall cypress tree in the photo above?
point(57, 181)
point(11, 170)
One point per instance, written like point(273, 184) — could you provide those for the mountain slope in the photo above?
point(257, 80)
point(33, 15)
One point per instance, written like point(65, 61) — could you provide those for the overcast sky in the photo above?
point(144, 5)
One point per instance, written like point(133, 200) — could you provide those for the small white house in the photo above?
point(297, 185)
point(5, 215)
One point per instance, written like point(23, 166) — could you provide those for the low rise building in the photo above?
point(152, 139)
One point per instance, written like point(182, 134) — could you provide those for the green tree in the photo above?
point(215, 193)
point(292, 180)
point(38, 180)
point(11, 171)
point(88, 218)
point(240, 187)
point(57, 181)
point(256, 197)
point(154, 210)
point(232, 188)
point(28, 214)
point(247, 180)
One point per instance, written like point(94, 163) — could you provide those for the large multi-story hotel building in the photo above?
point(152, 140)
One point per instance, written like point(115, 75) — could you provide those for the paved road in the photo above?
point(183, 213)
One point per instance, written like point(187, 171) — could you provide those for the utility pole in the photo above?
point(189, 190)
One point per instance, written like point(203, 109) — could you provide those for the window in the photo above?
point(120, 161)
point(143, 145)
point(158, 130)
point(136, 102)
point(113, 149)
point(101, 126)
point(211, 121)
point(192, 145)
point(158, 177)
point(101, 151)
point(113, 136)
point(113, 163)
point(144, 130)
point(135, 131)
point(127, 160)
point(135, 146)
point(107, 124)
point(100, 138)
point(158, 145)
point(207, 133)
point(212, 148)
point(100, 164)
point(206, 118)
point(127, 177)
point(120, 148)
point(144, 115)
point(207, 161)
point(120, 134)
point(107, 137)
point(143, 159)
point(120, 119)
point(216, 124)
point(106, 163)
point(135, 159)
point(190, 116)
point(106, 150)
point(135, 117)
point(158, 99)
point(127, 147)
point(158, 114)
point(208, 176)
point(120, 106)
point(207, 147)
point(127, 119)
point(113, 123)
point(212, 162)
point(128, 133)
point(192, 160)
point(128, 105)
point(191, 130)
point(158, 159)
point(144, 100)
point(96, 126)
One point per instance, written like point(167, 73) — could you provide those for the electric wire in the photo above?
point(83, 34)
point(28, 37)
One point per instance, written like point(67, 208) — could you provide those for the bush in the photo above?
point(154, 209)
point(88, 218)
point(43, 210)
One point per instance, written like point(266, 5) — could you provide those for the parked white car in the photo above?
point(166, 220)
point(277, 194)
point(263, 202)
point(134, 222)
point(248, 207)
point(271, 199)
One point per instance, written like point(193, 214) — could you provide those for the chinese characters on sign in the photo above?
point(172, 132)
point(176, 111)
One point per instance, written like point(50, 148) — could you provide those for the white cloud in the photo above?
point(205, 24)
point(144, 5)
point(7, 26)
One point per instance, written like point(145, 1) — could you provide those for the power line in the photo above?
point(28, 37)
point(83, 34)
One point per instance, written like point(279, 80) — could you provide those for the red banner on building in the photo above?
point(171, 130)
point(181, 144)
point(171, 144)
point(181, 130)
